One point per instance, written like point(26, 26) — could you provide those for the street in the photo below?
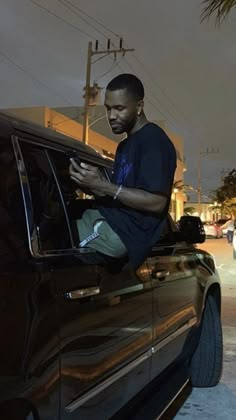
point(219, 402)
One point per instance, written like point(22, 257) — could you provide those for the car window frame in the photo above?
point(26, 197)
point(33, 237)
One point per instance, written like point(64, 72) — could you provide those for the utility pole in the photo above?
point(87, 93)
point(199, 185)
point(88, 88)
point(199, 175)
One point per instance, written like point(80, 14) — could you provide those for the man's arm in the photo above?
point(224, 226)
point(87, 176)
point(135, 198)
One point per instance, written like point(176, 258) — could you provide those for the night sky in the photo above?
point(188, 68)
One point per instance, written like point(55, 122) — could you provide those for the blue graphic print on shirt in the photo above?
point(123, 168)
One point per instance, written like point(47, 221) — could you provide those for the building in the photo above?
point(52, 119)
point(69, 120)
point(207, 211)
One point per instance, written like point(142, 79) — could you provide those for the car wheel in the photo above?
point(206, 363)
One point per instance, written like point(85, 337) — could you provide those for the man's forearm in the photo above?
point(135, 198)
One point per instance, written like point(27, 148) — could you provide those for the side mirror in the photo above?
point(191, 229)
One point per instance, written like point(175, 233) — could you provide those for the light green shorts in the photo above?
point(107, 241)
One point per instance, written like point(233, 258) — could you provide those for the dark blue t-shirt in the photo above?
point(145, 160)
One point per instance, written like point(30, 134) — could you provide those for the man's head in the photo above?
point(124, 103)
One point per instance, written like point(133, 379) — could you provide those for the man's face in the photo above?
point(122, 110)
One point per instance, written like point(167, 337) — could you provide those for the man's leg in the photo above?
point(231, 235)
point(107, 242)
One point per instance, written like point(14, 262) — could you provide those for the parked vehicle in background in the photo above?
point(212, 230)
point(83, 335)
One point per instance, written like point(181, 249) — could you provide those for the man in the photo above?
point(142, 180)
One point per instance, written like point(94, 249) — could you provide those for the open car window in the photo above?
point(45, 205)
point(76, 201)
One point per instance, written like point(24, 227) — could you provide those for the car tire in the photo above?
point(207, 360)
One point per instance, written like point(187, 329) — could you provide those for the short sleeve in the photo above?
point(157, 163)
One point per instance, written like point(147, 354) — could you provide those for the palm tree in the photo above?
point(220, 7)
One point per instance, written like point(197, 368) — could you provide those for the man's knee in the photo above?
point(95, 232)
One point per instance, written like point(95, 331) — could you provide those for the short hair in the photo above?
point(129, 82)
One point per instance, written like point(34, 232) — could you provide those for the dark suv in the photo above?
point(83, 337)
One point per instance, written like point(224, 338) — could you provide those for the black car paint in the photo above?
point(65, 358)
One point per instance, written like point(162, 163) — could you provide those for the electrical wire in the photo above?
point(158, 85)
point(134, 55)
point(172, 116)
point(184, 118)
point(33, 77)
point(66, 4)
point(93, 19)
point(150, 98)
point(115, 64)
point(63, 20)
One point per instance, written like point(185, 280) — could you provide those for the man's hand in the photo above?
point(88, 177)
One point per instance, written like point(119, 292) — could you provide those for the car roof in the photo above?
point(11, 125)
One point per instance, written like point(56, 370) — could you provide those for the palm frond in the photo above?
point(219, 7)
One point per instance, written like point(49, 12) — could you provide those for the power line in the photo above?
point(73, 6)
point(62, 20)
point(154, 83)
point(93, 19)
point(159, 87)
point(65, 3)
point(147, 98)
point(115, 64)
point(172, 116)
point(150, 102)
point(134, 55)
point(150, 96)
point(31, 75)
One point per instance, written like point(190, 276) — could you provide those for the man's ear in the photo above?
point(140, 106)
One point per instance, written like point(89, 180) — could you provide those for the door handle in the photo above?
point(160, 275)
point(82, 293)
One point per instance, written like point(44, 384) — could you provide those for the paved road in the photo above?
point(219, 403)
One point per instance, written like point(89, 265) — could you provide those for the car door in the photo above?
point(106, 339)
point(31, 355)
point(173, 270)
point(105, 316)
